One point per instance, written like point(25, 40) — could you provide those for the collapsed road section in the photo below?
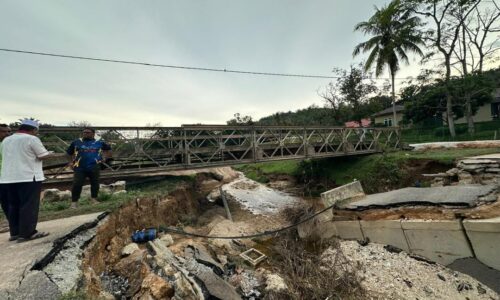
point(117, 259)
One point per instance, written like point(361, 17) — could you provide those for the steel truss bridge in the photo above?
point(139, 150)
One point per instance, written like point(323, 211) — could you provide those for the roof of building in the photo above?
point(388, 111)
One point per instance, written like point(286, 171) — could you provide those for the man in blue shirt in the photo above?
point(87, 154)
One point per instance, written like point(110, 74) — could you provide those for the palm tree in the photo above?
point(394, 33)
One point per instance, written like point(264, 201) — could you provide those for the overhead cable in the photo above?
point(180, 67)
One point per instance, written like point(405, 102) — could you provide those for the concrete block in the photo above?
point(321, 227)
point(343, 193)
point(484, 236)
point(439, 241)
point(388, 232)
point(349, 230)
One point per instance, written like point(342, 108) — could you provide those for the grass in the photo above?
point(376, 172)
point(107, 202)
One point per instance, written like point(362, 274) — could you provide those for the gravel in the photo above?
point(390, 275)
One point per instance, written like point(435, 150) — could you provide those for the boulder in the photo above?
point(155, 287)
point(129, 249)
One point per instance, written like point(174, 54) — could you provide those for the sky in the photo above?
point(280, 36)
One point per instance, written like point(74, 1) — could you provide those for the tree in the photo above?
point(80, 124)
point(240, 120)
point(447, 18)
point(393, 31)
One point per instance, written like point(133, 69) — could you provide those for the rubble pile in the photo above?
point(470, 171)
point(162, 269)
point(389, 273)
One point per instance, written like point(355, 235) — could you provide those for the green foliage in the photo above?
point(394, 31)
point(377, 173)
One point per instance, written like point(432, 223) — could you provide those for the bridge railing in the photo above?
point(203, 146)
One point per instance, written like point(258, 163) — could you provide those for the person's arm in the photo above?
point(70, 154)
point(106, 151)
point(41, 152)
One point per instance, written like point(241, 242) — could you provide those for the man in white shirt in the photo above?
point(5, 131)
point(22, 175)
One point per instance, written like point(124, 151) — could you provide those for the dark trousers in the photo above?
point(79, 179)
point(24, 202)
point(3, 200)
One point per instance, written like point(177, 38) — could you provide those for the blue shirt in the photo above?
point(87, 153)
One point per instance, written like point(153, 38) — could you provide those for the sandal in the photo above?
point(34, 236)
point(13, 238)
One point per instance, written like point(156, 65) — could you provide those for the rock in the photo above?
point(480, 289)
point(214, 195)
point(247, 282)
point(129, 249)
point(209, 185)
point(167, 239)
point(465, 178)
point(120, 193)
point(117, 186)
point(222, 259)
point(201, 254)
point(184, 290)
point(493, 170)
point(452, 172)
point(275, 283)
point(55, 195)
point(159, 249)
point(464, 286)
point(215, 285)
point(156, 287)
point(134, 269)
point(36, 285)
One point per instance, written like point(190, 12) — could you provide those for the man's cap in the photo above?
point(30, 122)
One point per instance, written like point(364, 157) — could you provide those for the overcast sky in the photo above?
point(283, 36)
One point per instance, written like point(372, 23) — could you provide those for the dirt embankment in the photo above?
point(111, 237)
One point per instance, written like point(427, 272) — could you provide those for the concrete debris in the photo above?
point(216, 286)
point(160, 251)
point(257, 198)
point(201, 255)
point(185, 289)
point(129, 249)
point(463, 195)
point(480, 170)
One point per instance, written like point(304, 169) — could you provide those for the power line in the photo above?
point(180, 67)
